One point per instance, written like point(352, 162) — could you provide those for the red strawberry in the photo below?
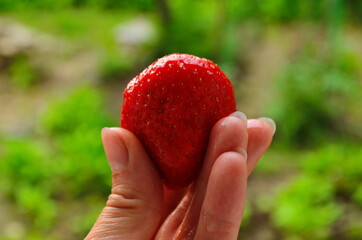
point(171, 107)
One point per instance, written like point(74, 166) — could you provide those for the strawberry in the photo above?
point(171, 107)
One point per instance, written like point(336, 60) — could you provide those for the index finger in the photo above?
point(228, 135)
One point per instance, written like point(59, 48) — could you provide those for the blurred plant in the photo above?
point(315, 200)
point(340, 165)
point(266, 10)
point(36, 203)
point(306, 208)
point(113, 66)
point(354, 10)
point(278, 10)
point(79, 111)
point(75, 125)
point(313, 92)
point(144, 5)
point(22, 73)
point(357, 196)
point(190, 21)
point(64, 164)
point(26, 166)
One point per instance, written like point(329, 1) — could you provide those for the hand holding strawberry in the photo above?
point(142, 207)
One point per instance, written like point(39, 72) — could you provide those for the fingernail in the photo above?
point(115, 149)
point(242, 151)
point(240, 115)
point(270, 122)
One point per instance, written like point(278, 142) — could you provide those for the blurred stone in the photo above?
point(60, 66)
point(14, 230)
point(17, 39)
point(135, 32)
point(135, 35)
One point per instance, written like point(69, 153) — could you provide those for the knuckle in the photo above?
point(125, 198)
point(215, 225)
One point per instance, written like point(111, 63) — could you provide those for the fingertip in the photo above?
point(129, 161)
point(240, 115)
point(229, 131)
point(129, 139)
point(262, 126)
point(234, 120)
point(270, 122)
point(228, 134)
point(115, 149)
point(260, 132)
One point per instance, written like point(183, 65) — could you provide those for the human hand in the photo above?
point(141, 207)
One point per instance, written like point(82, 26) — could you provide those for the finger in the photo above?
point(224, 202)
point(260, 132)
point(171, 199)
point(136, 196)
point(228, 134)
point(169, 227)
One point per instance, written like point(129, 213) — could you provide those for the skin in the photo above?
point(141, 207)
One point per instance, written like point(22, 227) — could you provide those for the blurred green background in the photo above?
point(65, 63)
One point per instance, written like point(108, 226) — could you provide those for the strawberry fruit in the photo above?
point(171, 107)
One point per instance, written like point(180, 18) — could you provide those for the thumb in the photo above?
point(133, 209)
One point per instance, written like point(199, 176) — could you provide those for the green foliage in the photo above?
point(311, 204)
point(23, 161)
point(36, 203)
point(313, 92)
point(143, 5)
point(6, 5)
point(278, 10)
point(91, 172)
point(22, 73)
point(79, 111)
point(113, 66)
point(265, 10)
point(357, 196)
point(306, 208)
point(191, 20)
point(354, 10)
point(340, 164)
point(75, 124)
point(25, 166)
point(62, 165)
